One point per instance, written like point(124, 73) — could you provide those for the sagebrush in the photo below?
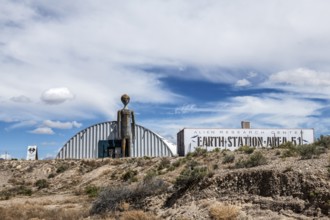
point(109, 199)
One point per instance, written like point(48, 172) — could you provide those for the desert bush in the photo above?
point(5, 195)
point(51, 175)
point(223, 212)
point(289, 153)
point(290, 149)
point(286, 145)
point(179, 162)
point(323, 141)
point(171, 168)
point(150, 175)
point(130, 175)
point(254, 160)
point(113, 175)
point(41, 183)
point(137, 215)
point(191, 175)
point(92, 191)
point(228, 158)
point(246, 149)
point(131, 160)
point(62, 168)
point(164, 163)
point(199, 151)
point(309, 151)
point(109, 199)
point(215, 166)
point(116, 162)
point(29, 169)
point(14, 181)
point(22, 190)
point(90, 164)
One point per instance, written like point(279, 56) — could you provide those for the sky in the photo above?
point(185, 63)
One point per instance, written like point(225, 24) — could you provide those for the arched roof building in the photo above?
point(86, 143)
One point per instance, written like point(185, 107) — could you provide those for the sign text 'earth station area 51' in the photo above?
point(190, 138)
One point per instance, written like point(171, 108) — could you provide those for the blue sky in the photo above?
point(209, 64)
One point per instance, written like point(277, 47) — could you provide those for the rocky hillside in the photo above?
point(283, 183)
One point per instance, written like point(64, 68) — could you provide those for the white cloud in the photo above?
point(193, 108)
point(61, 125)
point(21, 99)
point(57, 95)
point(306, 82)
point(274, 106)
point(185, 109)
point(53, 143)
point(301, 77)
point(98, 50)
point(270, 111)
point(22, 124)
point(252, 74)
point(42, 130)
point(243, 83)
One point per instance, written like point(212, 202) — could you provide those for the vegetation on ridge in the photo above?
point(203, 184)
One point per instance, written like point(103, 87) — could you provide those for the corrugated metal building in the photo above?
point(88, 143)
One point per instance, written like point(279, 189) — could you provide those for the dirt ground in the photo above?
point(281, 188)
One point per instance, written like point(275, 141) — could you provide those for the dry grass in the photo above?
point(106, 172)
point(124, 206)
point(221, 211)
point(137, 215)
point(30, 211)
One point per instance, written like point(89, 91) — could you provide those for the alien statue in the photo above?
point(126, 127)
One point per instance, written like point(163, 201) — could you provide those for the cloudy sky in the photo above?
point(185, 63)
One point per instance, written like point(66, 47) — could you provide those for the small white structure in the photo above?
point(5, 156)
point(32, 153)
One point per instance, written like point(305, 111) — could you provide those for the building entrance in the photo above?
point(110, 148)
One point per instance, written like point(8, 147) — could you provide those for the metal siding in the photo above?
point(73, 147)
point(148, 144)
point(84, 143)
point(152, 139)
point(67, 151)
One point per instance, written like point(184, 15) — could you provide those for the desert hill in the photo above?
point(281, 183)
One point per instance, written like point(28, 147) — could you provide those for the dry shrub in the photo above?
point(33, 211)
point(106, 172)
point(164, 163)
point(117, 161)
point(191, 175)
point(124, 206)
point(110, 198)
point(221, 211)
point(137, 215)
